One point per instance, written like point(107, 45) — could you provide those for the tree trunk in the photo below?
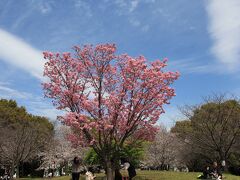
point(110, 170)
point(17, 171)
point(223, 157)
point(12, 169)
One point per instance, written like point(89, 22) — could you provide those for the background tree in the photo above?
point(59, 151)
point(23, 135)
point(163, 151)
point(234, 163)
point(212, 128)
point(109, 98)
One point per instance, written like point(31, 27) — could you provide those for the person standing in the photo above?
point(131, 171)
point(76, 168)
point(129, 167)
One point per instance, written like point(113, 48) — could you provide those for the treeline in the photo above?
point(23, 137)
point(210, 132)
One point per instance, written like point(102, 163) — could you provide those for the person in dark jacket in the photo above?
point(206, 172)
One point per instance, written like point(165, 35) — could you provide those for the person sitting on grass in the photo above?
point(206, 173)
point(215, 172)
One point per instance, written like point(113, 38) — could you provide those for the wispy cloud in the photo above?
point(27, 11)
point(45, 7)
point(35, 104)
point(134, 22)
point(126, 6)
point(224, 29)
point(7, 93)
point(15, 51)
point(193, 65)
point(84, 6)
point(169, 118)
point(21, 19)
point(133, 5)
point(39, 106)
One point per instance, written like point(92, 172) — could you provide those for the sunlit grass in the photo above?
point(154, 175)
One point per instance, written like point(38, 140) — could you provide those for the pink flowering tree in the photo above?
point(109, 99)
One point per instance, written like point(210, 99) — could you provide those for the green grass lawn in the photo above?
point(155, 175)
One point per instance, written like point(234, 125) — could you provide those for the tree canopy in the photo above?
point(22, 135)
point(213, 128)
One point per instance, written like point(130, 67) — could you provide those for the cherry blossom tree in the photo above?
point(59, 152)
point(108, 98)
point(163, 151)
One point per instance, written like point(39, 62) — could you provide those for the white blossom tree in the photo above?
point(163, 151)
point(59, 151)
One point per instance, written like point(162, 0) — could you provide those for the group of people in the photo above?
point(212, 172)
point(125, 165)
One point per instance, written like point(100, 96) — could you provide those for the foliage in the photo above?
point(92, 158)
point(234, 163)
point(212, 130)
point(10, 114)
point(133, 154)
point(22, 135)
point(183, 128)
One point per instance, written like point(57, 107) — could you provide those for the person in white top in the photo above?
point(129, 167)
point(89, 174)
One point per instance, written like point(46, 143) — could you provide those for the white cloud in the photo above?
point(224, 29)
point(15, 51)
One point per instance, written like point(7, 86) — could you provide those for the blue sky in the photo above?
point(200, 38)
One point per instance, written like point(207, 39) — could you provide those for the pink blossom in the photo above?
point(108, 97)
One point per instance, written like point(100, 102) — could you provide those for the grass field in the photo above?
point(155, 175)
